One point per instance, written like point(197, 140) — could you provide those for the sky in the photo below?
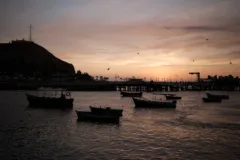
point(172, 37)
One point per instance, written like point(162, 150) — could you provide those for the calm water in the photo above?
point(194, 130)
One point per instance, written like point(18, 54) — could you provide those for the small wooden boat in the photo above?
point(170, 97)
point(217, 96)
point(212, 100)
point(145, 103)
point(164, 94)
point(131, 94)
point(50, 102)
point(106, 110)
point(89, 116)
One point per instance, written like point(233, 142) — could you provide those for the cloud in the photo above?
point(234, 54)
point(202, 28)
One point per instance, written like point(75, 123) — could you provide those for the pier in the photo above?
point(144, 86)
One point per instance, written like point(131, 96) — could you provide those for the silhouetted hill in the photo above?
point(29, 58)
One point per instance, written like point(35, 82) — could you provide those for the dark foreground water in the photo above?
point(194, 130)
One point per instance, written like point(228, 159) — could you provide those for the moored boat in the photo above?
point(50, 102)
point(145, 103)
point(106, 110)
point(90, 116)
point(164, 94)
point(131, 94)
point(171, 97)
point(217, 96)
point(211, 99)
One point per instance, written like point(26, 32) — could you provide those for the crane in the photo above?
point(198, 75)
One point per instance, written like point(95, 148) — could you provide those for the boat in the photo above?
point(211, 99)
point(50, 102)
point(217, 96)
point(50, 89)
point(164, 94)
point(146, 103)
point(90, 116)
point(131, 94)
point(172, 97)
point(106, 110)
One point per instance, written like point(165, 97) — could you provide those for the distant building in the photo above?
point(135, 80)
point(62, 77)
point(20, 41)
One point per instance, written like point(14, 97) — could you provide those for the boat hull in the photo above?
point(173, 98)
point(47, 102)
point(217, 96)
point(131, 94)
point(107, 110)
point(212, 100)
point(89, 116)
point(139, 103)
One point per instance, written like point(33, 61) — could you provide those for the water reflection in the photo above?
point(193, 130)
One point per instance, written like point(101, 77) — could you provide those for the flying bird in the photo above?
point(193, 60)
point(230, 63)
point(108, 69)
point(137, 53)
point(207, 39)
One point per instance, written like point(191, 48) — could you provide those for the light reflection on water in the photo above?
point(194, 130)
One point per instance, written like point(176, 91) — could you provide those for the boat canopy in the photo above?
point(50, 89)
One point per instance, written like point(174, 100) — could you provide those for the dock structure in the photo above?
point(161, 86)
point(144, 86)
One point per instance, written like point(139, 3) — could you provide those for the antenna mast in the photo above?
point(30, 33)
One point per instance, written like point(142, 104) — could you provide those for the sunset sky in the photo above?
point(95, 35)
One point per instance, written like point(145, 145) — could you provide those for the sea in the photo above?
point(194, 130)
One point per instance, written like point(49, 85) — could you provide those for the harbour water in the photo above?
point(194, 130)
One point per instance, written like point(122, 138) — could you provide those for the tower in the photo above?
point(30, 33)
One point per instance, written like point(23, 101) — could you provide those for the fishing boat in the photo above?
point(64, 101)
point(217, 96)
point(131, 94)
point(146, 103)
point(172, 97)
point(106, 110)
point(164, 94)
point(90, 116)
point(208, 100)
